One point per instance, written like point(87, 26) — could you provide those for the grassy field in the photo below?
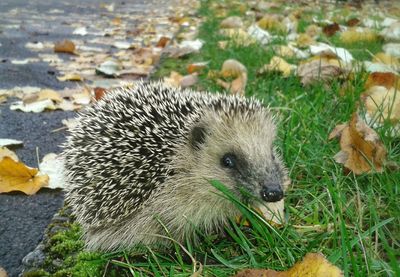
point(353, 220)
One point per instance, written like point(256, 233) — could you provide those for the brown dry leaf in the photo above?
point(278, 64)
point(99, 93)
point(233, 68)
point(196, 67)
point(70, 77)
point(312, 265)
point(162, 42)
point(65, 46)
point(385, 79)
point(15, 176)
point(361, 148)
point(319, 69)
point(384, 102)
point(5, 152)
point(352, 22)
point(331, 29)
point(356, 35)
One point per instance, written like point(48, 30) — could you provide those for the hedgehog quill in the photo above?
point(145, 155)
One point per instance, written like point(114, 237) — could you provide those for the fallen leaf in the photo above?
point(322, 69)
point(174, 79)
point(231, 22)
point(163, 41)
point(3, 272)
point(82, 98)
point(35, 107)
point(10, 142)
point(352, 22)
point(361, 148)
point(122, 44)
point(273, 211)
point(99, 93)
point(385, 79)
point(67, 105)
point(313, 30)
point(280, 65)
point(196, 67)
point(323, 49)
point(5, 152)
point(34, 45)
point(49, 94)
point(70, 77)
point(260, 35)
point(357, 35)
point(237, 36)
point(82, 31)
point(109, 68)
point(53, 166)
point(392, 49)
point(383, 103)
point(65, 46)
point(392, 32)
point(272, 22)
point(331, 29)
point(387, 59)
point(233, 68)
point(304, 40)
point(15, 176)
point(25, 61)
point(312, 265)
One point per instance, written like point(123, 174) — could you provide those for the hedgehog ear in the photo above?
point(198, 137)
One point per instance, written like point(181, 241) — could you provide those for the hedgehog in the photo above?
point(139, 163)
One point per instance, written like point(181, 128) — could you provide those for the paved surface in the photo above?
point(24, 218)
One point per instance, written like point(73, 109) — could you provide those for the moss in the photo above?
point(36, 273)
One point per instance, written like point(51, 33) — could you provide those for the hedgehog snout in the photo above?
point(272, 192)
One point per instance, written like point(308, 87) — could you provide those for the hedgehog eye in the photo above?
point(229, 160)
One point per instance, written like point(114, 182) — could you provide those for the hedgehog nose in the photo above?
point(272, 193)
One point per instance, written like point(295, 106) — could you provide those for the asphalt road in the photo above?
point(24, 218)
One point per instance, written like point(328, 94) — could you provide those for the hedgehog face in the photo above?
point(238, 150)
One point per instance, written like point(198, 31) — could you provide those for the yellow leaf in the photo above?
point(15, 176)
point(312, 265)
point(304, 40)
point(386, 59)
point(70, 77)
point(272, 23)
point(49, 94)
point(383, 101)
point(280, 65)
point(5, 152)
point(355, 35)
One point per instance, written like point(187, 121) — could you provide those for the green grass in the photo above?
point(353, 220)
point(358, 215)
